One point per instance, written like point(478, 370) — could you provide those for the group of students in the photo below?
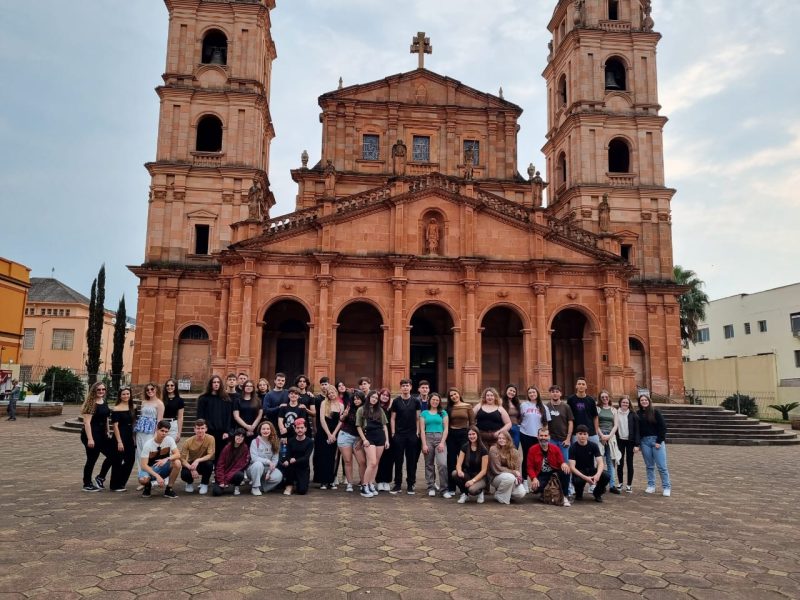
point(249, 434)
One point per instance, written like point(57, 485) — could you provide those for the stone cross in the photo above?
point(421, 46)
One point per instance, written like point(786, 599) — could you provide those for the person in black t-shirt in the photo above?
point(584, 410)
point(296, 466)
point(472, 466)
point(405, 437)
point(247, 411)
point(173, 408)
point(587, 465)
point(288, 414)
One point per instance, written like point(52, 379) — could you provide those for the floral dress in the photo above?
point(145, 427)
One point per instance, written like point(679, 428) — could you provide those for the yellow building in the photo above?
point(56, 320)
point(14, 284)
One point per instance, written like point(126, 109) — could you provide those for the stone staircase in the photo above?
point(691, 424)
point(189, 416)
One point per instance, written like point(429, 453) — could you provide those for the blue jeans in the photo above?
point(655, 458)
point(514, 433)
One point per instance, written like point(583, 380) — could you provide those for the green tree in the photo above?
point(63, 385)
point(119, 345)
point(94, 332)
point(692, 302)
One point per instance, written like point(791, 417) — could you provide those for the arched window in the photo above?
point(215, 48)
point(194, 332)
point(561, 169)
point(619, 156)
point(562, 90)
point(209, 134)
point(615, 74)
point(613, 10)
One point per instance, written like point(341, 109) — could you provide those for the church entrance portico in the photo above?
point(572, 348)
point(432, 348)
point(359, 344)
point(503, 358)
point(284, 347)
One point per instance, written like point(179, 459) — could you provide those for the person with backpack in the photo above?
point(546, 461)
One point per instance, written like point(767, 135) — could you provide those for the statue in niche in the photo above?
point(399, 158)
point(330, 178)
point(255, 201)
point(469, 162)
point(432, 236)
point(577, 18)
point(604, 214)
point(647, 20)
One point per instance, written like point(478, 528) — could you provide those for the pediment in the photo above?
point(419, 87)
point(201, 214)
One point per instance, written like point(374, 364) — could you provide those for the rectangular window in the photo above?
point(67, 312)
point(421, 151)
point(762, 327)
point(625, 252)
point(797, 358)
point(702, 335)
point(728, 330)
point(794, 320)
point(42, 312)
point(613, 10)
point(63, 339)
point(201, 234)
point(475, 145)
point(747, 328)
point(370, 147)
point(29, 339)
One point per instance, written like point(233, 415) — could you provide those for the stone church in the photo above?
point(416, 247)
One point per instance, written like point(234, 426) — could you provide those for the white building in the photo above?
point(761, 325)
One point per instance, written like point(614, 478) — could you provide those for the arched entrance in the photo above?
point(571, 349)
point(638, 363)
point(284, 347)
point(502, 350)
point(432, 350)
point(359, 344)
point(193, 357)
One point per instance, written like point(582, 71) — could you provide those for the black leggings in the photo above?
point(121, 470)
point(405, 447)
point(626, 449)
point(101, 446)
point(456, 439)
point(527, 442)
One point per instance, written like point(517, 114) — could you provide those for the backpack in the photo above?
point(552, 494)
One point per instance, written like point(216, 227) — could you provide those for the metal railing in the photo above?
point(717, 397)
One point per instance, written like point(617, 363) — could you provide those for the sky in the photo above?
point(78, 118)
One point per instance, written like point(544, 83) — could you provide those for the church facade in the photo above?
point(416, 247)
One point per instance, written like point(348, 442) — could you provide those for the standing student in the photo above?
point(504, 470)
point(275, 398)
point(533, 416)
point(197, 458)
point(348, 441)
point(151, 411)
point(365, 385)
point(512, 406)
point(122, 417)
point(160, 459)
point(490, 417)
point(460, 419)
point(587, 466)
point(232, 465)
point(247, 410)
point(262, 389)
point(653, 433)
point(216, 408)
point(13, 397)
point(385, 473)
point(371, 424)
point(472, 466)
point(173, 408)
point(423, 393)
point(609, 425)
point(232, 386)
point(405, 436)
point(264, 455)
point(325, 444)
point(562, 421)
point(584, 410)
point(241, 378)
point(297, 466)
point(303, 383)
point(433, 427)
point(94, 435)
point(289, 413)
point(546, 461)
point(627, 439)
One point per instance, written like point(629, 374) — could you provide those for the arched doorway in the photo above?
point(432, 350)
point(638, 363)
point(284, 346)
point(359, 344)
point(193, 356)
point(502, 350)
point(571, 349)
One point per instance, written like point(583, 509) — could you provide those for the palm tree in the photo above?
point(692, 302)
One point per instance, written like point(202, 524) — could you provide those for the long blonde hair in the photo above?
point(497, 401)
point(91, 399)
point(508, 453)
point(328, 410)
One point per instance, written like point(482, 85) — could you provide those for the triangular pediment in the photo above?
point(201, 214)
point(420, 86)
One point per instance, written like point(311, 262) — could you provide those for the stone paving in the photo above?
point(730, 530)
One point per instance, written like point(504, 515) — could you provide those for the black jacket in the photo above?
point(658, 429)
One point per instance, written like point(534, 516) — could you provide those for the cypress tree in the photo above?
point(94, 334)
point(119, 345)
point(90, 341)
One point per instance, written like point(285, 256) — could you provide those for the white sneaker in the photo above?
point(335, 484)
point(651, 489)
point(566, 502)
point(373, 489)
point(349, 487)
point(527, 485)
point(236, 491)
point(323, 487)
point(628, 489)
point(591, 489)
point(447, 495)
point(462, 498)
point(365, 492)
point(431, 492)
point(189, 489)
point(667, 492)
point(203, 489)
point(256, 491)
point(480, 498)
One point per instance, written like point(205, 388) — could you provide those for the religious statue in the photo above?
point(399, 158)
point(469, 162)
point(341, 83)
point(647, 20)
point(537, 185)
point(304, 159)
point(604, 214)
point(432, 237)
point(577, 18)
point(330, 179)
point(255, 200)
point(550, 48)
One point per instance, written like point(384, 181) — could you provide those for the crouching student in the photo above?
point(296, 466)
point(264, 452)
point(472, 466)
point(160, 458)
point(546, 461)
point(505, 470)
point(587, 465)
point(231, 465)
point(197, 457)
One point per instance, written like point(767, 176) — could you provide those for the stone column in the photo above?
point(471, 360)
point(397, 366)
point(544, 369)
point(222, 326)
point(611, 326)
point(248, 279)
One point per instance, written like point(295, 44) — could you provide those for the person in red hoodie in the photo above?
point(231, 465)
point(544, 461)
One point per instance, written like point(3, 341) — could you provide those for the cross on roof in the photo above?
point(421, 46)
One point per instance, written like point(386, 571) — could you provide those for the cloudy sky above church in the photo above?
point(78, 118)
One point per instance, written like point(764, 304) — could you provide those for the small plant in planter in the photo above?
point(785, 409)
point(35, 388)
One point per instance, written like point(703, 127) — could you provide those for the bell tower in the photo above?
point(214, 129)
point(604, 147)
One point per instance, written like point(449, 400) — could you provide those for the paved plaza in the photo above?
point(730, 531)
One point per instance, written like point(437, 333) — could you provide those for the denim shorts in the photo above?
point(163, 470)
point(346, 440)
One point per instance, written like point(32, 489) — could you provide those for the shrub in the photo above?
point(742, 404)
point(63, 386)
point(785, 409)
point(35, 387)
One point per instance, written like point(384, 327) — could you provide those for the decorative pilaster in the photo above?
point(543, 370)
point(222, 326)
point(248, 280)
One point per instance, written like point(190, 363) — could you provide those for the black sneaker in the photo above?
point(396, 489)
point(598, 498)
point(410, 490)
point(614, 490)
point(91, 488)
point(100, 482)
point(169, 493)
point(578, 497)
point(147, 488)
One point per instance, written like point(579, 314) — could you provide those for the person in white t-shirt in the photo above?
point(160, 459)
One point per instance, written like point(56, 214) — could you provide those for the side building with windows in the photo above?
point(54, 331)
point(750, 343)
point(14, 284)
